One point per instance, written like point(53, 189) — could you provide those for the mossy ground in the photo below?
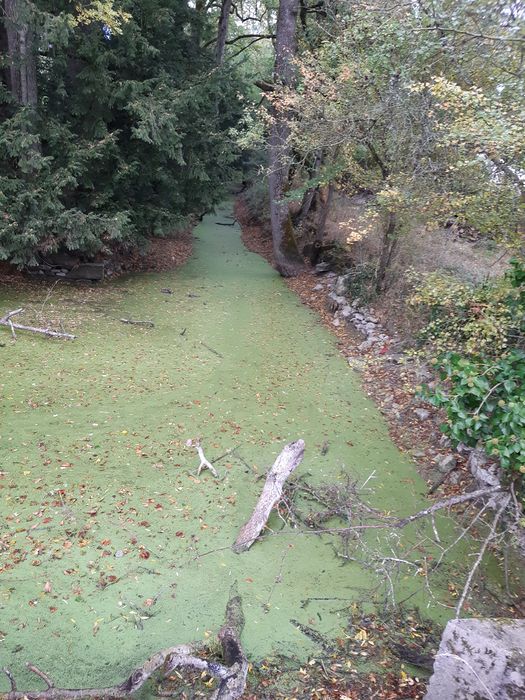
point(110, 547)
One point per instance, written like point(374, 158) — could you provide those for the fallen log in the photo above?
point(231, 674)
point(284, 465)
point(6, 321)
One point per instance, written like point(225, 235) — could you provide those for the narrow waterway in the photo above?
point(110, 547)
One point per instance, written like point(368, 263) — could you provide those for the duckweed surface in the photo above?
point(110, 547)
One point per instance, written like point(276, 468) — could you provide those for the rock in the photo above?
point(336, 322)
point(318, 287)
point(444, 441)
point(454, 478)
point(346, 312)
point(321, 268)
point(422, 413)
point(359, 317)
point(337, 299)
point(365, 345)
point(373, 319)
point(482, 469)
point(480, 659)
point(447, 463)
point(462, 449)
point(357, 363)
point(395, 358)
point(342, 284)
point(418, 453)
point(370, 327)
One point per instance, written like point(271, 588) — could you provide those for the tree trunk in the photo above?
point(21, 53)
point(309, 195)
point(222, 33)
point(286, 254)
point(323, 214)
point(389, 247)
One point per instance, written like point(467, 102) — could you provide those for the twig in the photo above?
point(47, 297)
point(440, 505)
point(12, 681)
point(481, 553)
point(225, 454)
point(47, 680)
point(204, 464)
point(215, 352)
point(6, 321)
point(149, 324)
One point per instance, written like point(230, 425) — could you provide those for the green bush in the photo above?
point(478, 333)
point(483, 319)
point(484, 400)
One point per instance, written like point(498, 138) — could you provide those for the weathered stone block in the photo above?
point(480, 660)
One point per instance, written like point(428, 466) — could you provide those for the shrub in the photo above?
point(478, 333)
point(474, 320)
point(484, 401)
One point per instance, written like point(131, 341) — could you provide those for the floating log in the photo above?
point(284, 465)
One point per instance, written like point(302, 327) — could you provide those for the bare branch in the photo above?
point(488, 539)
point(6, 321)
point(129, 321)
point(232, 677)
point(448, 503)
point(204, 464)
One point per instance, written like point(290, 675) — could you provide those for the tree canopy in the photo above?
point(114, 124)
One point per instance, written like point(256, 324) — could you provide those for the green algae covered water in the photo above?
point(110, 547)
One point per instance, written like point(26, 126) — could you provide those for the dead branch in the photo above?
point(447, 503)
point(149, 324)
point(488, 539)
point(231, 675)
point(232, 686)
point(215, 352)
point(284, 465)
point(6, 321)
point(205, 464)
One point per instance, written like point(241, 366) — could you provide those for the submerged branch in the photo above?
point(231, 675)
